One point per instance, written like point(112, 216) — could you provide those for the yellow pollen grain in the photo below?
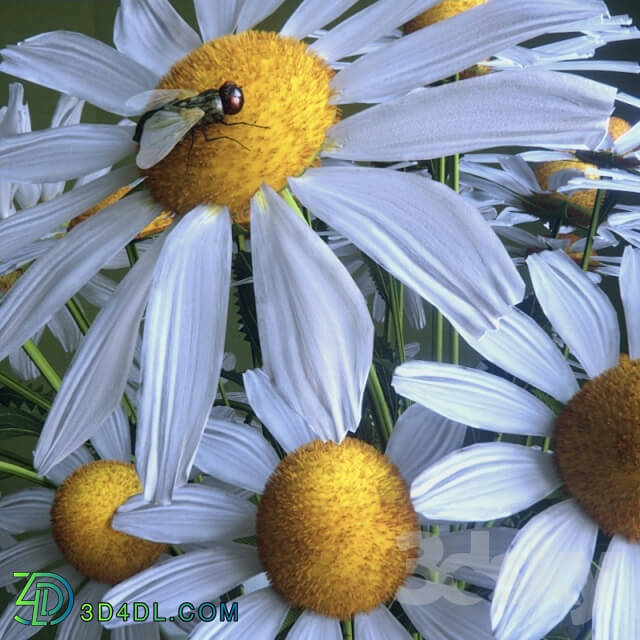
point(286, 89)
point(441, 11)
point(337, 533)
point(597, 449)
point(81, 516)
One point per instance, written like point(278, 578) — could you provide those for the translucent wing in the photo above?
point(162, 131)
point(156, 98)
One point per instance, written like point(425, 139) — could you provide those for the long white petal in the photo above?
point(29, 555)
point(74, 626)
point(63, 153)
point(250, 13)
point(51, 280)
point(313, 625)
point(474, 397)
point(309, 16)
point(409, 224)
point(112, 441)
point(630, 294)
point(452, 45)
point(26, 510)
point(578, 309)
point(315, 330)
point(182, 348)
point(80, 66)
point(76, 459)
point(541, 108)
point(379, 623)
point(484, 482)
point(92, 387)
point(216, 19)
point(543, 572)
point(615, 608)
point(152, 33)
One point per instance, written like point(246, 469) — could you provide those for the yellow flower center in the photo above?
point(337, 532)
point(81, 521)
point(597, 449)
point(442, 11)
point(286, 89)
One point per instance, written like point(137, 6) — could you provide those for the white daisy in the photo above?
point(595, 445)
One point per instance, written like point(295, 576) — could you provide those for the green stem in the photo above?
point(379, 405)
point(397, 312)
point(26, 474)
point(42, 364)
point(24, 391)
point(223, 393)
point(132, 253)
point(593, 227)
point(347, 630)
point(78, 315)
point(439, 337)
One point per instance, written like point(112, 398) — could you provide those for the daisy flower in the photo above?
point(593, 457)
point(336, 532)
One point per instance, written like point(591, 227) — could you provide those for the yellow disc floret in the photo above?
point(598, 449)
point(81, 521)
point(286, 92)
point(337, 533)
point(442, 11)
point(583, 198)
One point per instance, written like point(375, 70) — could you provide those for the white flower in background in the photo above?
point(595, 445)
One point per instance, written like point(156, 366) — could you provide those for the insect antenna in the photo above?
point(248, 124)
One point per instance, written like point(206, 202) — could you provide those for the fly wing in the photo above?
point(162, 131)
point(156, 98)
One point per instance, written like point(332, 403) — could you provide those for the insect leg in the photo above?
point(248, 124)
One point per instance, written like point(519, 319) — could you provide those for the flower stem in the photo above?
point(78, 315)
point(42, 364)
point(593, 227)
point(25, 392)
point(26, 474)
point(397, 311)
point(132, 253)
point(379, 405)
point(347, 630)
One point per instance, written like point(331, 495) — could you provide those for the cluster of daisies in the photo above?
point(338, 322)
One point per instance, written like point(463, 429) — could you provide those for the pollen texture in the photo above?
point(442, 11)
point(81, 521)
point(597, 449)
point(286, 93)
point(584, 198)
point(337, 533)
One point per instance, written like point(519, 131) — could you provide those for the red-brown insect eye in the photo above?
point(232, 97)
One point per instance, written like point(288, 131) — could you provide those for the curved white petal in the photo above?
point(521, 347)
point(315, 330)
point(630, 294)
point(182, 348)
point(152, 33)
point(112, 441)
point(578, 309)
point(379, 623)
point(454, 44)
point(26, 510)
point(444, 612)
point(411, 226)
point(309, 16)
point(287, 427)
point(19, 231)
point(59, 472)
point(197, 513)
point(541, 108)
point(312, 626)
point(474, 397)
point(28, 555)
point(263, 613)
point(216, 18)
point(484, 482)
point(74, 626)
point(22, 365)
point(421, 437)
point(237, 454)
point(80, 66)
point(211, 573)
point(93, 385)
point(250, 13)
point(543, 572)
point(615, 608)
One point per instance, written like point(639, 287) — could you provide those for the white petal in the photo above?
point(250, 13)
point(521, 347)
point(286, 426)
point(211, 572)
point(28, 555)
point(93, 385)
point(420, 438)
point(63, 153)
point(197, 513)
point(23, 366)
point(112, 441)
point(443, 612)
point(73, 461)
point(541, 108)
point(630, 294)
point(248, 458)
point(182, 348)
point(379, 623)
point(80, 66)
point(484, 482)
point(262, 615)
point(579, 310)
point(543, 572)
point(74, 626)
point(309, 16)
point(474, 397)
point(26, 510)
point(312, 626)
point(409, 225)
point(615, 611)
point(99, 290)
point(216, 19)
point(153, 34)
point(315, 330)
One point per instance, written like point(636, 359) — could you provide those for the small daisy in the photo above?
point(594, 457)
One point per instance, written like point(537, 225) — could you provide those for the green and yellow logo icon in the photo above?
point(47, 593)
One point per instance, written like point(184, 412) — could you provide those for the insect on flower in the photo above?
point(173, 113)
